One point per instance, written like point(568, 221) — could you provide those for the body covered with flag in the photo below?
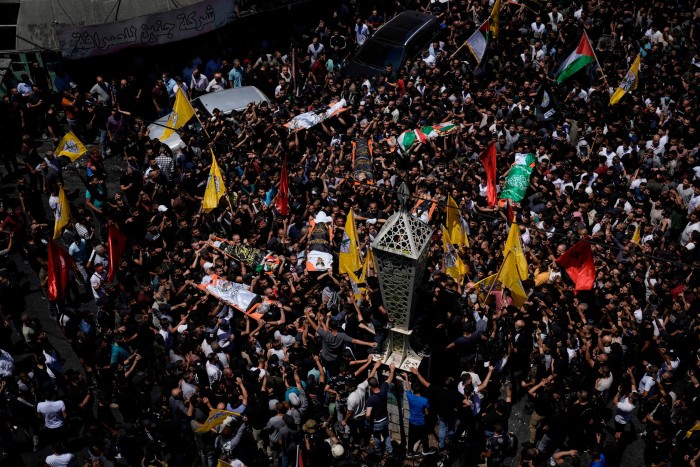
point(349, 257)
point(313, 118)
point(478, 41)
point(215, 186)
point(181, 114)
point(116, 241)
point(362, 150)
point(628, 83)
point(518, 178)
point(58, 273)
point(422, 135)
point(579, 265)
point(70, 146)
point(452, 263)
point(546, 105)
point(319, 256)
point(235, 294)
point(488, 160)
point(581, 57)
point(61, 213)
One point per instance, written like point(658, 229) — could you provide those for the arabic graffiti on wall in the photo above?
point(90, 41)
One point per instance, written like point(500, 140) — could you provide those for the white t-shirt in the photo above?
point(646, 383)
point(52, 412)
point(624, 411)
point(357, 400)
point(60, 460)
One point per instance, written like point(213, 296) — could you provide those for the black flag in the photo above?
point(546, 105)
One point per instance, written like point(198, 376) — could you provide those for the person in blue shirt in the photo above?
point(418, 408)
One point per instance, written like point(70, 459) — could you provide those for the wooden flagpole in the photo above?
point(602, 70)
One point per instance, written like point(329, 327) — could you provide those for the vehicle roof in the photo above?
point(229, 100)
point(401, 28)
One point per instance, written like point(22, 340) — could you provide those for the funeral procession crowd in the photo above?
point(216, 301)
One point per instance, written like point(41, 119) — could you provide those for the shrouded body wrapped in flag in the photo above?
point(215, 186)
point(349, 257)
point(70, 146)
point(235, 294)
point(62, 213)
point(579, 265)
point(362, 150)
point(628, 83)
point(581, 57)
point(455, 225)
point(282, 201)
point(452, 263)
point(319, 256)
point(58, 272)
point(546, 105)
point(309, 119)
point(478, 41)
point(181, 114)
point(116, 241)
point(255, 258)
point(422, 135)
point(488, 160)
point(518, 178)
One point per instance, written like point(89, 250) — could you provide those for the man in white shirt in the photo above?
point(59, 458)
point(693, 225)
point(537, 27)
point(315, 49)
point(55, 415)
point(361, 31)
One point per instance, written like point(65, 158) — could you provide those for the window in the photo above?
point(378, 54)
point(8, 25)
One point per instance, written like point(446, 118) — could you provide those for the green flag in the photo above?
point(518, 178)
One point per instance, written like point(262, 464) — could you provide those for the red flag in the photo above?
point(58, 272)
point(300, 458)
point(509, 212)
point(116, 241)
point(488, 159)
point(578, 262)
point(282, 203)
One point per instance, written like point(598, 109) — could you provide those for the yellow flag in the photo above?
point(628, 83)
point(510, 278)
point(220, 463)
point(482, 287)
point(62, 213)
point(215, 186)
point(453, 264)
point(495, 11)
point(637, 236)
point(71, 147)
point(516, 251)
point(542, 277)
point(455, 226)
point(181, 114)
point(215, 418)
point(350, 260)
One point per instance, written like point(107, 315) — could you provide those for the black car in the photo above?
point(403, 37)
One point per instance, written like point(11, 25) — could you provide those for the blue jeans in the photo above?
point(381, 430)
point(103, 142)
point(447, 428)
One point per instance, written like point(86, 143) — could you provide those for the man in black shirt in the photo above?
point(444, 399)
point(377, 412)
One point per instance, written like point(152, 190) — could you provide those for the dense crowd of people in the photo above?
point(598, 368)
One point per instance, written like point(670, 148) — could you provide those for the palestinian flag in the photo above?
point(579, 58)
point(409, 138)
point(477, 42)
point(441, 129)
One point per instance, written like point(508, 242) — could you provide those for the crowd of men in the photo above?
point(598, 368)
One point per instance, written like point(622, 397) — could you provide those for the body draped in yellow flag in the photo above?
point(70, 146)
point(62, 213)
point(181, 114)
point(215, 186)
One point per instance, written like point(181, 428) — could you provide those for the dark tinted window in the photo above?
point(379, 55)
